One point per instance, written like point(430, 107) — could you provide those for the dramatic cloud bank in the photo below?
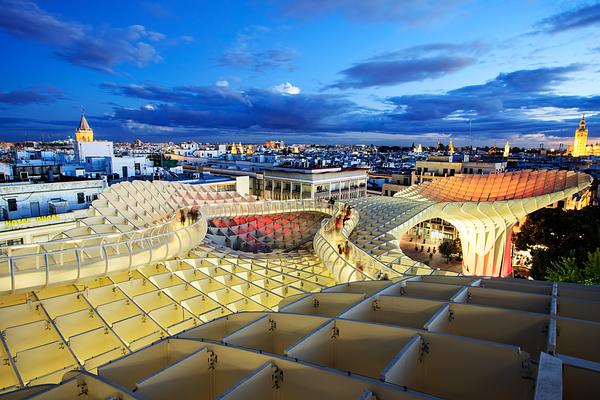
point(221, 107)
point(337, 71)
point(577, 18)
point(80, 44)
point(30, 96)
point(245, 54)
point(409, 65)
point(412, 12)
point(520, 103)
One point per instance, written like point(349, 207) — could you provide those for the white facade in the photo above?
point(24, 200)
point(127, 167)
point(6, 169)
point(283, 183)
point(186, 149)
point(93, 149)
point(206, 153)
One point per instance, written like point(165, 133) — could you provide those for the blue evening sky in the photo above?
point(305, 71)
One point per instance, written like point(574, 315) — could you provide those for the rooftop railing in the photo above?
point(357, 265)
point(26, 267)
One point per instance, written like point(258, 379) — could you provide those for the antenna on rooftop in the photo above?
point(470, 138)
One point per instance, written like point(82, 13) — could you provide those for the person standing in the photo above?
point(330, 203)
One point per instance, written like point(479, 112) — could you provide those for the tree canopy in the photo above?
point(449, 247)
point(561, 243)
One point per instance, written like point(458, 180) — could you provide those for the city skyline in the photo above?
point(302, 71)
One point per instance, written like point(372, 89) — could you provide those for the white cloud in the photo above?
point(149, 107)
point(556, 113)
point(222, 83)
point(286, 88)
point(147, 128)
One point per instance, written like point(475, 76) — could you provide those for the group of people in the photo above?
point(344, 216)
point(191, 215)
point(382, 276)
point(429, 249)
point(330, 203)
point(344, 249)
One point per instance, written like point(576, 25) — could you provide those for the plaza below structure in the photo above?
point(170, 290)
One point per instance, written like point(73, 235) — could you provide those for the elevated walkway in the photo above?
point(84, 253)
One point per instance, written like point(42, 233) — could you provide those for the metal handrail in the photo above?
point(321, 239)
point(46, 264)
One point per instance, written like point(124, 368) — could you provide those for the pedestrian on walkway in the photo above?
point(330, 203)
point(339, 223)
point(347, 214)
point(347, 249)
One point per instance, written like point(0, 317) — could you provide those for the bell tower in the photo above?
point(84, 133)
point(506, 150)
point(580, 142)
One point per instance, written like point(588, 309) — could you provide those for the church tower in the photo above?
point(506, 150)
point(84, 133)
point(579, 145)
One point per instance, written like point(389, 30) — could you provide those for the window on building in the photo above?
point(452, 172)
point(479, 171)
point(88, 198)
point(12, 204)
point(80, 198)
point(10, 242)
point(94, 197)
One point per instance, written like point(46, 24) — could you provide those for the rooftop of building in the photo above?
point(315, 169)
point(55, 180)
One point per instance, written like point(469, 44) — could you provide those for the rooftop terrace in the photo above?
point(138, 302)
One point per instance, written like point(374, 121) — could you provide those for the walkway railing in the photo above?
point(356, 265)
point(65, 261)
point(27, 267)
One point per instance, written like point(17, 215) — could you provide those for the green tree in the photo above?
point(567, 269)
point(449, 247)
point(564, 270)
point(551, 234)
point(592, 268)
